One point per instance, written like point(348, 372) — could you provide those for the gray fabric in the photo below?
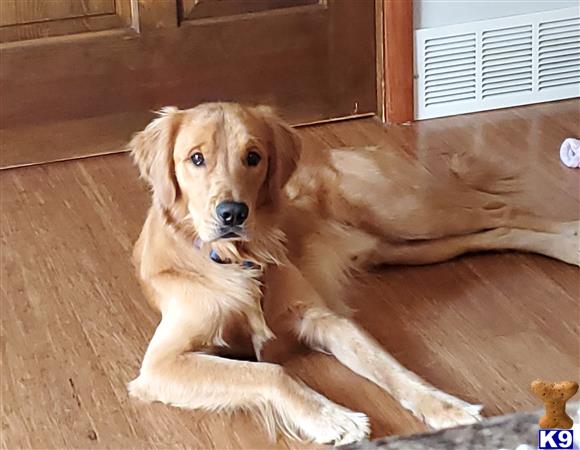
point(502, 432)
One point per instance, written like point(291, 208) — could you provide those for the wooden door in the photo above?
point(77, 77)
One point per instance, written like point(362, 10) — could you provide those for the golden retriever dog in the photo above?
point(243, 234)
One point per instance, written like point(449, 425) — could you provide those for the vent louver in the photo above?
point(449, 69)
point(497, 63)
point(506, 61)
point(559, 53)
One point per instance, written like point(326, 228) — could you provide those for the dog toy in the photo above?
point(570, 153)
point(555, 396)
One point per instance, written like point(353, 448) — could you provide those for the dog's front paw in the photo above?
point(440, 410)
point(335, 425)
point(138, 389)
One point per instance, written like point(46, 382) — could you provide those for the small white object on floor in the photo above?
point(570, 153)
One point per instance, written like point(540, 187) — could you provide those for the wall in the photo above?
point(437, 13)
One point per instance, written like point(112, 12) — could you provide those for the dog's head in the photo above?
point(218, 164)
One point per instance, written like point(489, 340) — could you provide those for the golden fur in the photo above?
point(310, 225)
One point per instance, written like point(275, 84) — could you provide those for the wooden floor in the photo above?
point(75, 325)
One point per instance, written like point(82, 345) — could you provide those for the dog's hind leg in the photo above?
point(389, 197)
point(562, 244)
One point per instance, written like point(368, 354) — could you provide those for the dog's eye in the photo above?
point(253, 159)
point(197, 159)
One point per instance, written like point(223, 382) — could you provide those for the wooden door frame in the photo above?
point(394, 31)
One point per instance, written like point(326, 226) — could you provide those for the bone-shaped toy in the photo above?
point(555, 396)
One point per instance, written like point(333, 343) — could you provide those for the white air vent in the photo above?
point(497, 63)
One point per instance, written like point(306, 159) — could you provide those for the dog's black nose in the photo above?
point(232, 213)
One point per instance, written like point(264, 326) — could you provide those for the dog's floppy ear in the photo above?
point(285, 147)
point(152, 151)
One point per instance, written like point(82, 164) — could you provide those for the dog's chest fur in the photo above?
point(239, 306)
point(222, 295)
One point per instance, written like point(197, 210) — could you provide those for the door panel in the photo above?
point(33, 19)
point(16, 12)
point(203, 9)
point(314, 61)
